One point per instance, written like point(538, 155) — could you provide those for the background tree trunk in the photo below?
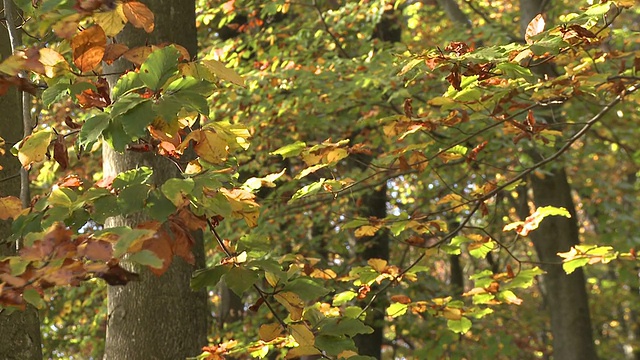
point(20, 331)
point(566, 295)
point(157, 317)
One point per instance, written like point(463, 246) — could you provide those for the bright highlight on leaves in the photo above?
point(34, 148)
point(532, 222)
point(139, 15)
point(535, 27)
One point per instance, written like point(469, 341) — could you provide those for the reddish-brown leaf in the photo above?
point(60, 153)
point(88, 48)
point(139, 15)
point(70, 181)
point(113, 51)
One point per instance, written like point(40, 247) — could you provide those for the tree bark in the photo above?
point(156, 317)
point(20, 331)
point(566, 295)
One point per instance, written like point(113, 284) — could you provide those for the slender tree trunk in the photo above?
point(157, 317)
point(566, 294)
point(20, 331)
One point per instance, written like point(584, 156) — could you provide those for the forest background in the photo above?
point(319, 179)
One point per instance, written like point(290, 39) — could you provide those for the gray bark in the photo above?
point(19, 332)
point(156, 317)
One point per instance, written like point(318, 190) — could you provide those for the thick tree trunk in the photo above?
point(566, 295)
point(157, 317)
point(20, 331)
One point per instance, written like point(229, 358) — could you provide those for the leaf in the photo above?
point(459, 326)
point(302, 334)
point(290, 150)
point(307, 289)
point(240, 279)
point(346, 326)
point(343, 297)
point(113, 52)
point(32, 296)
point(10, 207)
point(223, 72)
point(92, 129)
point(533, 221)
point(88, 48)
point(159, 67)
point(50, 59)
point(268, 332)
point(535, 27)
point(112, 22)
point(397, 309)
point(210, 146)
point(34, 148)
point(176, 190)
point(209, 277)
point(292, 302)
point(139, 15)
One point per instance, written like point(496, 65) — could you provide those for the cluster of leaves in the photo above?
point(483, 125)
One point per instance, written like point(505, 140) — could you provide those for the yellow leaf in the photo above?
point(270, 332)
point(452, 313)
point(34, 148)
point(10, 207)
point(49, 59)
point(223, 72)
point(377, 264)
point(336, 155)
point(209, 145)
point(139, 15)
point(292, 302)
point(302, 334)
point(112, 22)
point(366, 230)
point(302, 351)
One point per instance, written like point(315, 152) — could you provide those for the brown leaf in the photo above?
point(88, 48)
point(60, 153)
point(116, 275)
point(99, 250)
point(138, 55)
point(582, 32)
point(70, 181)
point(113, 51)
point(139, 15)
point(454, 78)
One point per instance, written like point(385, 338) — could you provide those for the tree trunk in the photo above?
point(566, 294)
point(20, 331)
point(157, 317)
point(374, 204)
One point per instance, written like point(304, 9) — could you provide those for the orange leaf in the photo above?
point(138, 55)
point(402, 299)
point(139, 15)
point(88, 48)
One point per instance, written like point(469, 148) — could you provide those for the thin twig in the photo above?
point(328, 30)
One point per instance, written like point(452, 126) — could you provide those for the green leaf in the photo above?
point(333, 345)
point(290, 150)
point(136, 120)
point(54, 94)
point(127, 237)
point(128, 82)
point(239, 279)
point(176, 189)
point(397, 309)
point(131, 177)
point(308, 190)
point(346, 326)
point(159, 207)
point(480, 250)
point(115, 136)
point(93, 128)
point(344, 297)
point(32, 296)
point(132, 198)
point(307, 289)
point(571, 265)
point(146, 258)
point(159, 67)
point(209, 277)
point(524, 279)
point(459, 326)
point(104, 207)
